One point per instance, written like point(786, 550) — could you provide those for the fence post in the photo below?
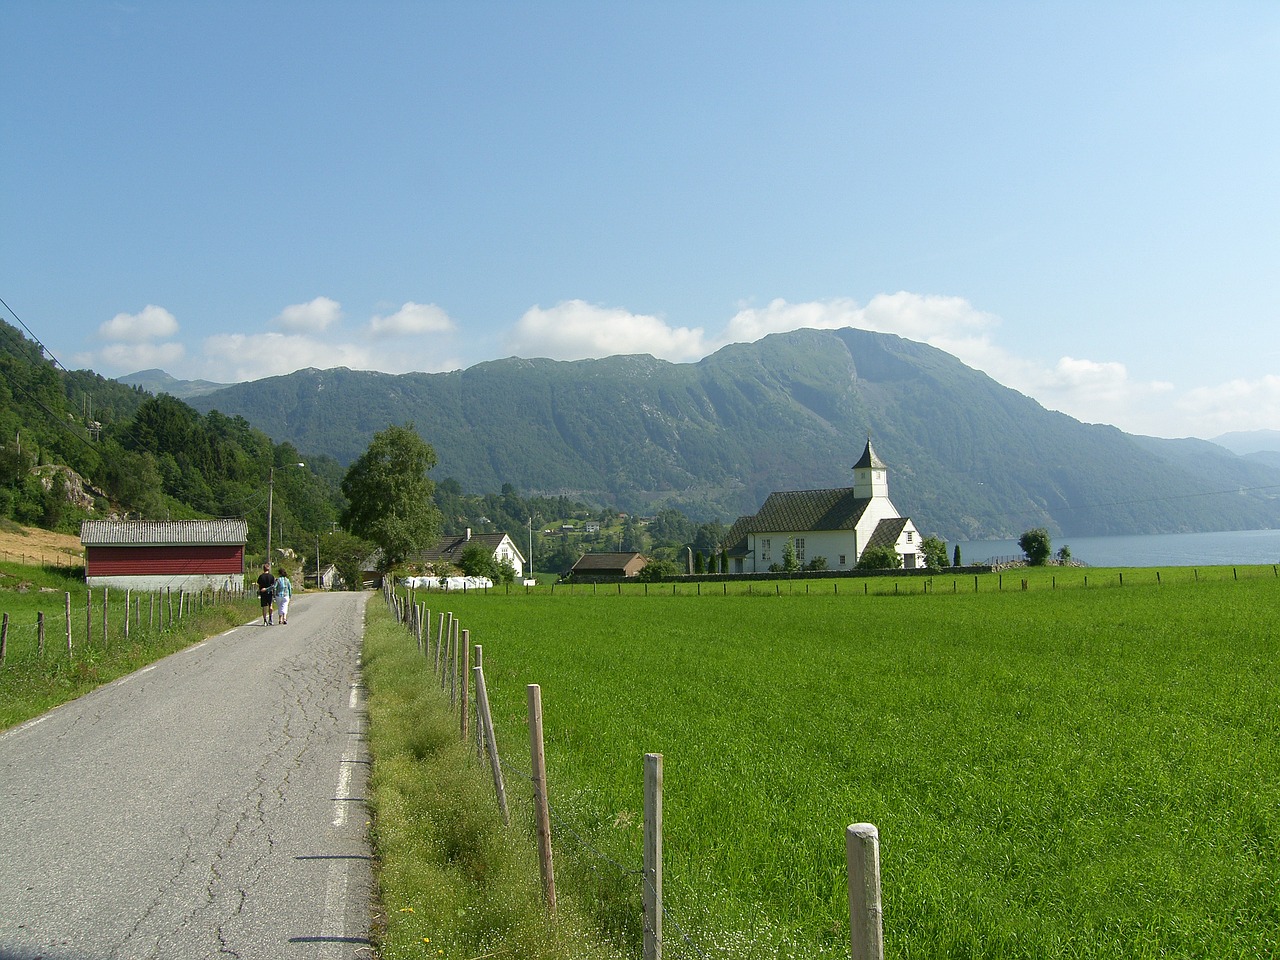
point(106, 595)
point(40, 633)
point(88, 616)
point(453, 663)
point(464, 686)
point(541, 806)
point(67, 600)
point(128, 601)
point(439, 640)
point(862, 853)
point(4, 637)
point(491, 741)
point(652, 893)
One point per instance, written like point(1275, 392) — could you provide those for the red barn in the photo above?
point(174, 554)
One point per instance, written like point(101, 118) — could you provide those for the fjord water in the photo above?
point(1150, 550)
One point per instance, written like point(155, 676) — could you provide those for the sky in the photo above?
point(1078, 198)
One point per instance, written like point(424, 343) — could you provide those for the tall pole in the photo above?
point(529, 576)
point(271, 489)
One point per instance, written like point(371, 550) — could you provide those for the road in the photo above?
point(209, 805)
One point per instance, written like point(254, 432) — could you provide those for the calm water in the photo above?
point(1155, 550)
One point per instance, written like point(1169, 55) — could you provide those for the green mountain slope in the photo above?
point(968, 458)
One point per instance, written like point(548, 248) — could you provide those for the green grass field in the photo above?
point(1059, 771)
point(32, 682)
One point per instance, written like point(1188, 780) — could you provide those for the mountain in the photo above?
point(158, 382)
point(1245, 442)
point(968, 458)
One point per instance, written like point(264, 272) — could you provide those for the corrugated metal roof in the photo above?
point(169, 532)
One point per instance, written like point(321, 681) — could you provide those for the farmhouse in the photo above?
point(498, 545)
point(172, 554)
point(607, 566)
point(836, 525)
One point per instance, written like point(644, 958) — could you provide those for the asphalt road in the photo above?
point(209, 805)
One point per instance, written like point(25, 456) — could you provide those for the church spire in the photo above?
point(870, 475)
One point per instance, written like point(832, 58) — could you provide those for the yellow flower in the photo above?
point(406, 909)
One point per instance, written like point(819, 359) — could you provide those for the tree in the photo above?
point(347, 554)
point(879, 558)
point(389, 494)
point(935, 553)
point(1036, 545)
point(955, 556)
point(657, 570)
point(789, 562)
point(1064, 554)
point(476, 561)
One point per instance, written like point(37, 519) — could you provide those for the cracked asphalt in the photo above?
point(209, 805)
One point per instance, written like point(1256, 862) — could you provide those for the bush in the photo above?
point(1036, 545)
point(879, 558)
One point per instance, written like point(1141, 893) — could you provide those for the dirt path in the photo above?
point(34, 546)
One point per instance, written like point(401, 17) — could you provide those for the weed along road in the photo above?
point(209, 805)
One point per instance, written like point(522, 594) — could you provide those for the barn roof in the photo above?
point(136, 533)
point(605, 561)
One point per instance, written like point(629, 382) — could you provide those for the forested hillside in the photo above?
point(968, 457)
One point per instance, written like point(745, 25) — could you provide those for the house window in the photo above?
point(910, 534)
point(764, 548)
point(800, 549)
point(842, 559)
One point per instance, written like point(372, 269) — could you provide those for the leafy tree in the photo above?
point(1064, 554)
point(955, 556)
point(789, 562)
point(347, 553)
point(879, 558)
point(935, 553)
point(1036, 545)
point(817, 563)
point(476, 561)
point(656, 570)
point(389, 494)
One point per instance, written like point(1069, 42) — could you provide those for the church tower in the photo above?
point(870, 476)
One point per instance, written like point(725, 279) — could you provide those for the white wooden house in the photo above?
point(835, 524)
point(500, 546)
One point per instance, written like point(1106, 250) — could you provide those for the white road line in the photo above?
point(333, 927)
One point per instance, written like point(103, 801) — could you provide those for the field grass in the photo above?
point(32, 682)
point(1059, 771)
point(454, 883)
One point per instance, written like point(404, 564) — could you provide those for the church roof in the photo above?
point(798, 510)
point(887, 532)
point(870, 460)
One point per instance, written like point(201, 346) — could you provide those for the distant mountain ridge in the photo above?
point(158, 382)
point(968, 458)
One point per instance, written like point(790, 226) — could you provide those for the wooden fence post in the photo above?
point(128, 601)
point(464, 687)
point(4, 637)
point(541, 806)
point(88, 617)
point(439, 641)
point(40, 633)
point(453, 663)
point(67, 601)
point(866, 925)
point(652, 893)
point(491, 743)
point(106, 609)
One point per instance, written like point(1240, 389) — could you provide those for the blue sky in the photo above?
point(1078, 198)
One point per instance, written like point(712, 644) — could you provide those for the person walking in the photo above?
point(266, 592)
point(283, 591)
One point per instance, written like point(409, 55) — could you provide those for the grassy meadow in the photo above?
point(1057, 771)
point(32, 682)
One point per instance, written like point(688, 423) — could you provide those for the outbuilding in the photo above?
point(170, 554)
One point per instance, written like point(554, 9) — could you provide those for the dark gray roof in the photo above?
point(801, 510)
point(869, 459)
point(128, 533)
point(451, 548)
point(887, 532)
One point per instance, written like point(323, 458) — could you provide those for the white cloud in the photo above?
point(577, 330)
point(233, 357)
point(132, 357)
point(411, 320)
point(314, 317)
point(1234, 405)
point(152, 323)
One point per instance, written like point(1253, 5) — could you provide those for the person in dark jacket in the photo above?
point(266, 592)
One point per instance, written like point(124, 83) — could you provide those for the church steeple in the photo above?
point(870, 475)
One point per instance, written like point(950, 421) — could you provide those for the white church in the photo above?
point(837, 524)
